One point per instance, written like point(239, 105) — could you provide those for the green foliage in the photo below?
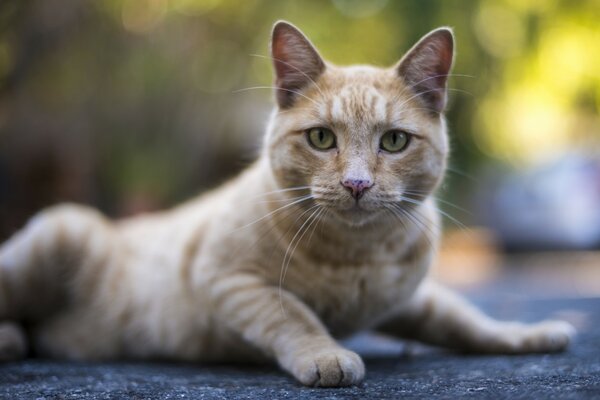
point(145, 89)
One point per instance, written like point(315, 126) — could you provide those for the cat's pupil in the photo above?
point(394, 138)
point(321, 135)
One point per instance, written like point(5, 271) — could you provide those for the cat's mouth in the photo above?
point(358, 206)
point(357, 214)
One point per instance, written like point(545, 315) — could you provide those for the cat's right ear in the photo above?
point(297, 63)
point(426, 66)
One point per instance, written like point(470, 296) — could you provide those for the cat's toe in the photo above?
point(330, 368)
point(549, 336)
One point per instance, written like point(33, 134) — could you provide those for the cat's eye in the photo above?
point(394, 141)
point(321, 138)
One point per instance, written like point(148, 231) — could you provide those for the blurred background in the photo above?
point(135, 105)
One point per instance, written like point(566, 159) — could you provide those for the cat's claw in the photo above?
point(329, 368)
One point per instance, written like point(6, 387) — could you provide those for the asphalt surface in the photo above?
point(393, 370)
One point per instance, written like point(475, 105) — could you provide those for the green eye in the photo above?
point(321, 138)
point(394, 141)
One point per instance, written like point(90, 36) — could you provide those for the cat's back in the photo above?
point(177, 230)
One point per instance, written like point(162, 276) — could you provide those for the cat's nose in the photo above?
point(357, 187)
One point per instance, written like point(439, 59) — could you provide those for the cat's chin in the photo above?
point(356, 217)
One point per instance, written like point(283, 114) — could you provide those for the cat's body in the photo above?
point(144, 299)
point(301, 247)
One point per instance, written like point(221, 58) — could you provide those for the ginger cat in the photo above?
point(331, 231)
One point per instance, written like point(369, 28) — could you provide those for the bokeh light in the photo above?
point(153, 97)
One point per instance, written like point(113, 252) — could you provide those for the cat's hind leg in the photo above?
point(13, 342)
point(440, 317)
point(38, 263)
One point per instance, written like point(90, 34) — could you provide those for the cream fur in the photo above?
point(204, 281)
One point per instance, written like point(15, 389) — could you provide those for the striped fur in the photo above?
point(254, 271)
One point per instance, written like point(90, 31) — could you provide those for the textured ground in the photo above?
point(393, 370)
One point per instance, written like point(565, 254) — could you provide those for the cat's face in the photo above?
point(362, 138)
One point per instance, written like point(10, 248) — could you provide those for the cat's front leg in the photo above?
point(282, 326)
point(440, 317)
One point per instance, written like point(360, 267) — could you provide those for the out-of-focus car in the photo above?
point(553, 206)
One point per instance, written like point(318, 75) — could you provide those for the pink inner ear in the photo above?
point(280, 54)
point(444, 62)
point(425, 68)
point(296, 62)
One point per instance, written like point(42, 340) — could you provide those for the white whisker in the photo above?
point(445, 214)
point(279, 200)
point(419, 224)
point(439, 76)
point(286, 259)
point(318, 217)
point(291, 66)
point(290, 189)
point(278, 88)
point(308, 197)
point(422, 196)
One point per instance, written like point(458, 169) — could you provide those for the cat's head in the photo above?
point(361, 138)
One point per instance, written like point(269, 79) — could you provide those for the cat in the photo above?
point(329, 232)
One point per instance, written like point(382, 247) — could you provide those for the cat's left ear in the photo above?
point(426, 66)
point(297, 63)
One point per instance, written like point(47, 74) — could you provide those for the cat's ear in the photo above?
point(296, 61)
point(426, 66)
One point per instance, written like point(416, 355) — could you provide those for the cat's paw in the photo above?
point(329, 367)
point(13, 345)
point(548, 336)
point(542, 337)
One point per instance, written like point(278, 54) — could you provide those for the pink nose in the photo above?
point(357, 187)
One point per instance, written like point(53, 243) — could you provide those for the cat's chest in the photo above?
point(349, 299)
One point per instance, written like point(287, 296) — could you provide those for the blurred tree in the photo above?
point(131, 105)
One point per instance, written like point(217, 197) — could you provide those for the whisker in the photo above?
point(454, 220)
point(411, 201)
point(286, 214)
point(319, 219)
point(387, 208)
point(294, 109)
point(291, 66)
point(291, 225)
point(461, 91)
point(277, 88)
point(445, 214)
point(410, 87)
point(308, 197)
point(419, 94)
point(439, 76)
point(290, 189)
point(286, 260)
point(279, 200)
point(461, 173)
point(419, 224)
point(422, 196)
point(323, 217)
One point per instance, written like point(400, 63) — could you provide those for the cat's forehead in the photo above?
point(357, 100)
point(358, 76)
point(359, 93)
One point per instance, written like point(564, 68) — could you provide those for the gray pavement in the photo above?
point(393, 371)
